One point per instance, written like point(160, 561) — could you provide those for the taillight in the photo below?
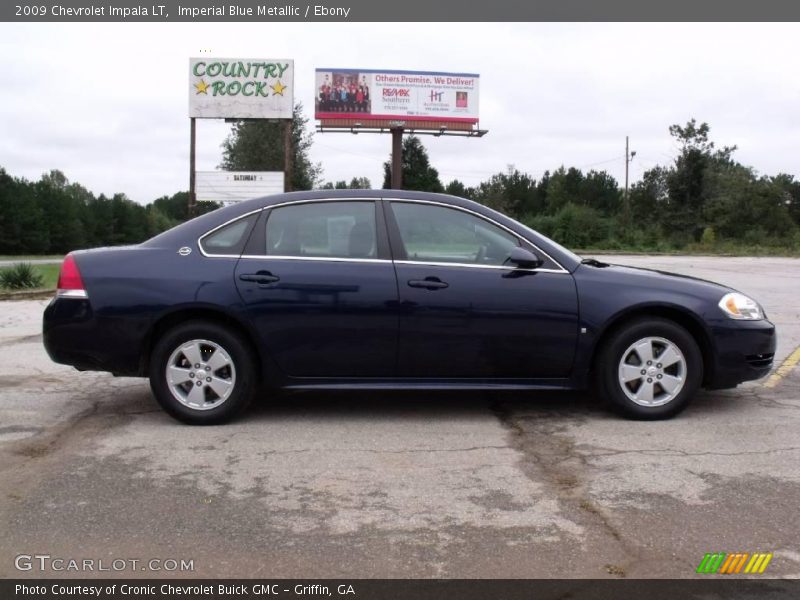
point(70, 284)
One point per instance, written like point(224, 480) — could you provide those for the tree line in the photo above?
point(703, 200)
point(54, 216)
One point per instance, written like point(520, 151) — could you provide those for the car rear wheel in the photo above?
point(650, 369)
point(202, 373)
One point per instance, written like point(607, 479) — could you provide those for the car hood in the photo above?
point(654, 279)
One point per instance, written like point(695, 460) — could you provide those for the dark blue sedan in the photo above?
point(381, 289)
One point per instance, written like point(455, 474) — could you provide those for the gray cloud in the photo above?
point(107, 104)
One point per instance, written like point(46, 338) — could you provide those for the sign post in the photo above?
point(192, 145)
point(397, 158)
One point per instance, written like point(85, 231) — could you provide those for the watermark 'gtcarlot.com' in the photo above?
point(58, 564)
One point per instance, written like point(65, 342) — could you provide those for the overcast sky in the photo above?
point(107, 103)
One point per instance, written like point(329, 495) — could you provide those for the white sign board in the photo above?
point(241, 88)
point(367, 94)
point(228, 187)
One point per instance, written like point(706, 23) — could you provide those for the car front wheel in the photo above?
point(202, 373)
point(650, 369)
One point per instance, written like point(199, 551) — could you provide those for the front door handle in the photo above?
point(429, 283)
point(261, 278)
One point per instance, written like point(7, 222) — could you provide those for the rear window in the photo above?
point(229, 239)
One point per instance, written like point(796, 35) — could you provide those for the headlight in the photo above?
point(739, 306)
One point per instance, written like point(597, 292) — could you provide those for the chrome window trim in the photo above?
point(319, 258)
point(560, 269)
point(310, 200)
point(474, 266)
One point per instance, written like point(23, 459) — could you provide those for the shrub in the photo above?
point(544, 224)
point(20, 276)
point(709, 237)
point(579, 226)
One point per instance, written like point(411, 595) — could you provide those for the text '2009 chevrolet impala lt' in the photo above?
point(387, 289)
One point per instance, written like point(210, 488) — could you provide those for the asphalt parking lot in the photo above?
point(402, 484)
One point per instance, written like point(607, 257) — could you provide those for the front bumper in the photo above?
point(744, 350)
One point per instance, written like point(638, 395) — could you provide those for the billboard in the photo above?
point(228, 187)
point(241, 88)
point(367, 94)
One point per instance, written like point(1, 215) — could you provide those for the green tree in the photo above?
point(23, 229)
point(63, 211)
point(257, 145)
point(649, 196)
point(687, 181)
point(563, 187)
point(579, 226)
point(791, 194)
point(356, 183)
point(741, 206)
point(360, 183)
point(456, 188)
point(512, 192)
point(600, 191)
point(418, 174)
point(157, 221)
point(176, 207)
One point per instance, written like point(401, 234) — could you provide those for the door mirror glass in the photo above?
point(524, 258)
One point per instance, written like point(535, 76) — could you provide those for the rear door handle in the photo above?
point(429, 283)
point(262, 277)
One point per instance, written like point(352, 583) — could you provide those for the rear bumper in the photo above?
point(744, 351)
point(74, 335)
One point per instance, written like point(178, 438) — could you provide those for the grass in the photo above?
point(49, 274)
point(27, 257)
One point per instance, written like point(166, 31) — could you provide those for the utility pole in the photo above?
point(628, 158)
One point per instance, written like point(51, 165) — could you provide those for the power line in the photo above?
point(602, 162)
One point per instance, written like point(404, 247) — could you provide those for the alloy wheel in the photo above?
point(200, 374)
point(652, 371)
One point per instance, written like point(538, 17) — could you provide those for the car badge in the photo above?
point(185, 251)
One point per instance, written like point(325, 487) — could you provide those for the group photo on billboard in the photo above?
point(377, 95)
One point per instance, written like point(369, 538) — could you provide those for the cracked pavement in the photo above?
point(404, 484)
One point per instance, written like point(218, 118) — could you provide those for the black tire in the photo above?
point(244, 379)
point(617, 347)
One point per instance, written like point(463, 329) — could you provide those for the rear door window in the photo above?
point(323, 229)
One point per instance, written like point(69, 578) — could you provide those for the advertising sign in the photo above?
point(378, 95)
point(234, 186)
point(241, 88)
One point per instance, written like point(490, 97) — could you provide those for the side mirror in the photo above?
point(524, 259)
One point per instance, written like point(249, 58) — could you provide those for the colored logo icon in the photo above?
point(738, 562)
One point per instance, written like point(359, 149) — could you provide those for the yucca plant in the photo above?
point(20, 276)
